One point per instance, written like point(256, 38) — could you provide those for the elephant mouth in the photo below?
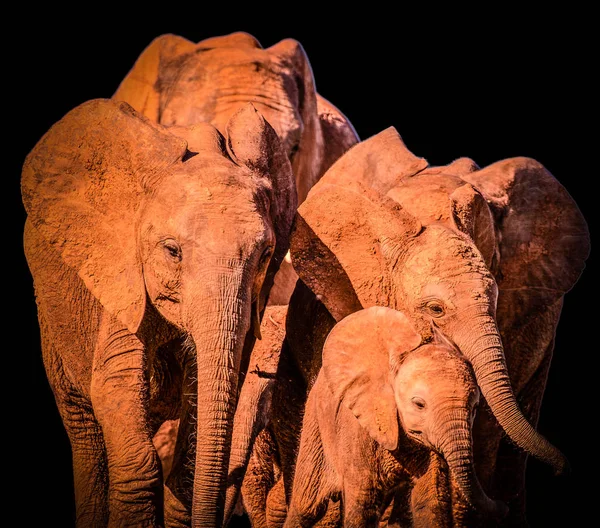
point(415, 432)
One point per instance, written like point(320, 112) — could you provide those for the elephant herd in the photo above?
point(245, 309)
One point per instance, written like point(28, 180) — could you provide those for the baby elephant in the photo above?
point(375, 375)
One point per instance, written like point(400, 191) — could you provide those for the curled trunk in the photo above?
point(486, 354)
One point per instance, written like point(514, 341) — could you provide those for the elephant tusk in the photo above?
point(256, 321)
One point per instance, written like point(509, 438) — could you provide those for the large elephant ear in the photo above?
point(82, 186)
point(378, 163)
point(141, 86)
point(253, 143)
point(544, 239)
point(472, 216)
point(338, 133)
point(344, 244)
point(359, 357)
point(306, 162)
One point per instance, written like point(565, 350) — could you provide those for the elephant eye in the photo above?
point(435, 308)
point(419, 403)
point(172, 249)
point(265, 257)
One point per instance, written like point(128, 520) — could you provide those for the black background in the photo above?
point(505, 85)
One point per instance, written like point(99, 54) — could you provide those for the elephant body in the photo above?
point(487, 254)
point(152, 252)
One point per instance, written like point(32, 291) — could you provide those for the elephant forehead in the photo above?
point(442, 252)
point(209, 178)
point(435, 369)
point(427, 196)
point(211, 86)
point(225, 206)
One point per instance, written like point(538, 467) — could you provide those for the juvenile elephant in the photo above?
point(151, 257)
point(380, 406)
point(178, 82)
point(488, 254)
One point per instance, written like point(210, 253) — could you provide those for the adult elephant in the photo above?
point(486, 254)
point(178, 82)
point(151, 257)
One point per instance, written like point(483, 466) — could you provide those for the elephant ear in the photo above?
point(473, 217)
point(82, 186)
point(378, 163)
point(306, 162)
point(344, 244)
point(543, 243)
point(141, 86)
point(543, 237)
point(252, 142)
point(338, 133)
point(359, 357)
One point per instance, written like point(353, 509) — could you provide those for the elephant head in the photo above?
point(372, 233)
point(192, 229)
point(375, 364)
point(178, 82)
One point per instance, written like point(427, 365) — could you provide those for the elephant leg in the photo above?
point(254, 402)
point(311, 492)
point(397, 513)
point(464, 516)
point(178, 488)
point(288, 402)
point(119, 393)
point(89, 456)
point(177, 515)
point(333, 516)
point(276, 505)
point(487, 435)
point(360, 506)
point(431, 496)
point(90, 478)
point(259, 479)
point(509, 482)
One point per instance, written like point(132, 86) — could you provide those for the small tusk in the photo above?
point(256, 322)
point(288, 257)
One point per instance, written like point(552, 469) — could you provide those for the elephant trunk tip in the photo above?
point(562, 468)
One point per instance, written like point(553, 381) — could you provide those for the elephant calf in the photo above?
point(374, 371)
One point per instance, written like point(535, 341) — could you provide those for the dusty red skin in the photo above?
point(382, 407)
point(486, 253)
point(178, 82)
point(150, 265)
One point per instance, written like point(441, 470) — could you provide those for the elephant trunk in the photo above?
point(219, 338)
point(250, 414)
point(486, 354)
point(456, 446)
